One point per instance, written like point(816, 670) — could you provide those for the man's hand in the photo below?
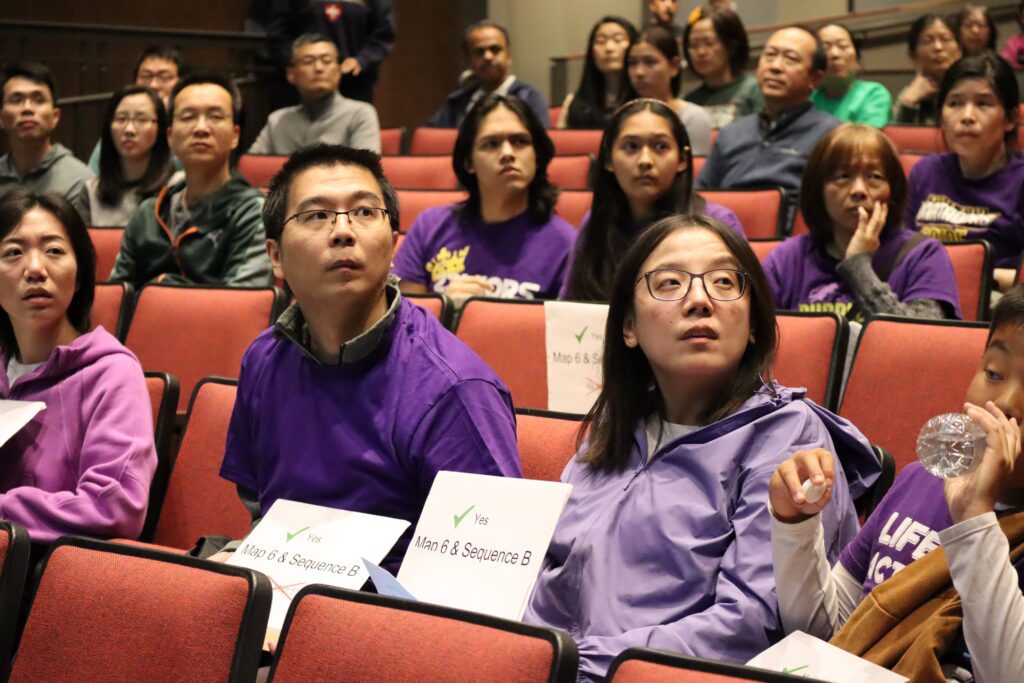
point(351, 66)
point(869, 226)
point(977, 492)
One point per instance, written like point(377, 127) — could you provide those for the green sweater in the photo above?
point(865, 102)
point(730, 102)
point(224, 243)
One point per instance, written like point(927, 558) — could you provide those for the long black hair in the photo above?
point(13, 207)
point(542, 194)
point(588, 108)
point(627, 396)
point(990, 67)
point(612, 226)
point(662, 40)
point(730, 31)
point(112, 183)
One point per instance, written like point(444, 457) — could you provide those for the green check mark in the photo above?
point(459, 518)
point(291, 536)
point(579, 337)
point(789, 671)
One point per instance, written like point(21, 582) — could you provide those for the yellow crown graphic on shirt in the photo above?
point(447, 263)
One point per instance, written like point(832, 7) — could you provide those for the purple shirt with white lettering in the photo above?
point(943, 204)
point(804, 279)
point(904, 527)
point(523, 260)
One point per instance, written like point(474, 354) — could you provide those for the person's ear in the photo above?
point(235, 136)
point(274, 254)
point(289, 75)
point(675, 66)
point(629, 332)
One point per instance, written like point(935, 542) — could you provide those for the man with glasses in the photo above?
point(357, 397)
point(205, 229)
point(28, 116)
point(324, 115)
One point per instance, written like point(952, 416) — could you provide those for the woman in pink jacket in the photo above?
point(84, 464)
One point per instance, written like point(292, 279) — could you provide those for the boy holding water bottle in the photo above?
point(954, 614)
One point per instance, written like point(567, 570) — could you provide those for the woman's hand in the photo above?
point(922, 87)
point(786, 491)
point(977, 492)
point(869, 227)
point(464, 286)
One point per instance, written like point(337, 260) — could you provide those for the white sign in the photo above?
point(481, 540)
point(296, 544)
point(574, 340)
point(16, 414)
point(799, 654)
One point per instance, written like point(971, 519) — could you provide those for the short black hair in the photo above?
point(819, 60)
point(36, 72)
point(923, 22)
point(276, 206)
point(854, 40)
point(486, 23)
point(987, 66)
point(13, 207)
point(166, 52)
point(730, 31)
point(214, 79)
point(542, 195)
point(993, 31)
point(1008, 311)
point(310, 39)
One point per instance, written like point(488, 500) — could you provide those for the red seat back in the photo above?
point(641, 665)
point(573, 205)
point(15, 548)
point(412, 203)
point(107, 242)
point(258, 169)
point(764, 247)
point(908, 160)
point(438, 304)
point(698, 164)
point(208, 341)
point(570, 173)
point(391, 140)
point(812, 350)
point(906, 372)
point(509, 337)
point(554, 113)
point(569, 141)
point(109, 611)
point(758, 210)
point(433, 141)
point(110, 306)
point(972, 264)
point(923, 139)
point(163, 399)
point(420, 173)
point(332, 634)
point(799, 225)
point(198, 501)
point(546, 444)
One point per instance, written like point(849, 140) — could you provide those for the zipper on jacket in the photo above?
point(639, 470)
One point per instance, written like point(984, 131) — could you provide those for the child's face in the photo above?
point(1000, 379)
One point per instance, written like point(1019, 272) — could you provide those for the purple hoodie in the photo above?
point(84, 464)
point(675, 553)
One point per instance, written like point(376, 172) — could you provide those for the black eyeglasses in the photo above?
point(359, 217)
point(668, 284)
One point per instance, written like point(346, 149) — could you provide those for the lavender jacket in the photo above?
point(84, 465)
point(675, 553)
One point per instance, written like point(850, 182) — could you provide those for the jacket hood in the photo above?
point(860, 464)
point(70, 358)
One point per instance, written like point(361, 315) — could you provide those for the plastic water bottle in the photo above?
point(950, 445)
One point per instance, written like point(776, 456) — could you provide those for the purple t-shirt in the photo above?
point(804, 279)
point(371, 435)
point(521, 259)
point(904, 527)
point(711, 210)
point(943, 204)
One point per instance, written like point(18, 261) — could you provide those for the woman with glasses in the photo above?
point(135, 160)
point(717, 48)
point(933, 48)
point(858, 260)
point(504, 240)
point(664, 542)
point(603, 82)
point(976, 30)
point(644, 173)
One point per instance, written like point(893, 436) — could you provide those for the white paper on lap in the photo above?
point(574, 342)
point(14, 415)
point(804, 655)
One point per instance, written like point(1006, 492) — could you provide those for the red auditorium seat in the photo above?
point(570, 172)
point(413, 202)
point(972, 263)
point(438, 304)
point(554, 113)
point(391, 140)
point(258, 169)
point(908, 160)
point(698, 164)
point(398, 242)
point(15, 548)
point(109, 611)
point(641, 665)
point(799, 224)
point(759, 211)
point(110, 306)
point(333, 634)
point(107, 242)
point(573, 206)
point(547, 442)
point(811, 354)
point(569, 141)
point(420, 173)
point(764, 247)
point(925, 139)
point(907, 371)
point(163, 399)
point(433, 141)
point(198, 501)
